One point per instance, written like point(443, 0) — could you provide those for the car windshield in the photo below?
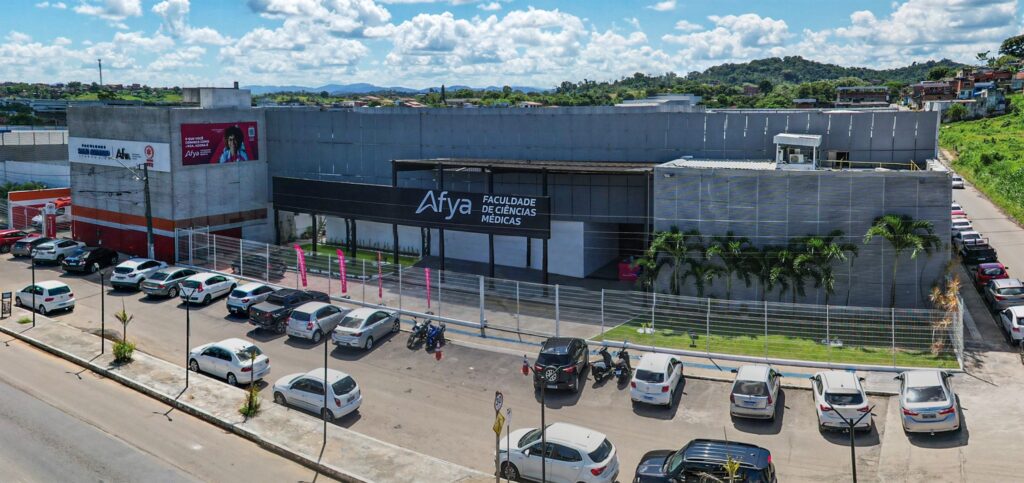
point(650, 376)
point(844, 398)
point(302, 316)
point(750, 388)
point(344, 385)
point(350, 322)
point(77, 252)
point(247, 352)
point(1011, 291)
point(124, 270)
point(191, 284)
point(929, 394)
point(529, 438)
point(277, 299)
point(239, 294)
point(674, 462)
point(60, 290)
point(551, 359)
point(602, 452)
point(992, 271)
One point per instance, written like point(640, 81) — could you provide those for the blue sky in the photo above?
point(419, 43)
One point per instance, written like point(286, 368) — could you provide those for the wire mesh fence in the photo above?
point(497, 307)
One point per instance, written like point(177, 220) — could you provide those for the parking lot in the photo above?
point(443, 408)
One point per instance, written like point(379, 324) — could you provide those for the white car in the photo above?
point(63, 217)
point(245, 296)
point(574, 454)
point(49, 296)
point(966, 237)
point(755, 392)
point(204, 287)
point(312, 320)
point(230, 359)
point(1012, 321)
point(961, 225)
point(927, 402)
point(55, 251)
point(957, 182)
point(956, 207)
point(306, 391)
point(131, 273)
point(361, 327)
point(656, 379)
point(838, 395)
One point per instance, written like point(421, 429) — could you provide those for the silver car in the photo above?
point(306, 391)
point(231, 359)
point(755, 392)
point(927, 402)
point(363, 327)
point(164, 283)
point(312, 320)
point(245, 296)
point(1004, 293)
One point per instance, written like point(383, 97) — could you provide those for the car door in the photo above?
point(25, 295)
point(776, 382)
point(384, 324)
point(1006, 320)
point(313, 395)
point(328, 318)
point(568, 463)
point(299, 393)
point(217, 284)
point(817, 389)
point(209, 361)
point(372, 324)
point(675, 372)
point(530, 462)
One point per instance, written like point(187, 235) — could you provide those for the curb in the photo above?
point(303, 460)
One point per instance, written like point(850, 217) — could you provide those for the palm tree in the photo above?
point(124, 318)
point(672, 249)
point(822, 253)
point(732, 250)
point(903, 233)
point(762, 264)
point(702, 272)
point(793, 270)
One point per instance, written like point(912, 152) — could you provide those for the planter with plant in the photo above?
point(123, 349)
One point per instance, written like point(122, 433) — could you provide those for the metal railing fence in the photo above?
point(774, 331)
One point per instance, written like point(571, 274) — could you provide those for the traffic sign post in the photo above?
point(499, 421)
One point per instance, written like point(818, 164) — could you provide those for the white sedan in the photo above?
point(927, 402)
point(46, 297)
point(656, 379)
point(230, 359)
point(306, 391)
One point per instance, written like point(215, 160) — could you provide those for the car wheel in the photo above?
point(510, 472)
point(138, 285)
point(327, 415)
point(279, 398)
point(60, 259)
point(369, 343)
point(93, 267)
point(206, 299)
point(317, 336)
point(173, 292)
point(233, 286)
point(397, 327)
point(42, 309)
point(232, 379)
point(17, 301)
point(193, 365)
point(5, 248)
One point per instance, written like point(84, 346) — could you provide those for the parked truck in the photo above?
point(274, 312)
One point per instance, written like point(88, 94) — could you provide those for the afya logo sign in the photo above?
point(445, 205)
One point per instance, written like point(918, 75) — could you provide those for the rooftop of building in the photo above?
point(750, 164)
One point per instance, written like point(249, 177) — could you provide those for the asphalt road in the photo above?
point(60, 423)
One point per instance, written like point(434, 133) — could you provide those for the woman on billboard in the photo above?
point(234, 148)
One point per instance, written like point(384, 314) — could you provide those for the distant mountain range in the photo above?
point(364, 88)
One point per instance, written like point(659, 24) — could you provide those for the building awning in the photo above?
point(809, 140)
point(529, 165)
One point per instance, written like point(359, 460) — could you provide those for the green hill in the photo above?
point(798, 69)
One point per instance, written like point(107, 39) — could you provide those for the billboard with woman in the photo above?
point(226, 142)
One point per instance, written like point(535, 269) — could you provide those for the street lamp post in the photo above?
point(33, 263)
point(188, 329)
point(851, 424)
point(548, 376)
point(103, 313)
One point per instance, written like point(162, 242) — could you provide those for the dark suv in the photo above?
point(561, 363)
point(702, 457)
point(273, 313)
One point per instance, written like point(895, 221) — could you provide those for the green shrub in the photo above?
point(251, 406)
point(25, 320)
point(123, 351)
point(988, 159)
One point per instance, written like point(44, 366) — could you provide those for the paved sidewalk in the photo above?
point(348, 456)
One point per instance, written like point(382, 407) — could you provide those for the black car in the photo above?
point(89, 259)
point(258, 266)
point(273, 313)
point(561, 363)
point(702, 457)
point(974, 254)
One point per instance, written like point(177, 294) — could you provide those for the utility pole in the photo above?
point(149, 210)
point(100, 62)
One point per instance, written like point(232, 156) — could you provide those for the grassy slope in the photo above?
point(990, 154)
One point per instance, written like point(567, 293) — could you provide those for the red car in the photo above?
point(8, 238)
point(989, 271)
point(958, 213)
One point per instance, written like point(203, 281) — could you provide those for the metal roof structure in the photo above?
point(752, 164)
point(525, 165)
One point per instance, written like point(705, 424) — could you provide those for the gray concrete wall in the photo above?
point(771, 207)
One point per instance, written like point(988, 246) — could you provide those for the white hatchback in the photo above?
point(312, 320)
point(839, 395)
point(306, 391)
point(755, 392)
point(204, 287)
point(46, 297)
point(245, 296)
point(574, 454)
point(656, 379)
point(230, 359)
point(55, 251)
point(131, 273)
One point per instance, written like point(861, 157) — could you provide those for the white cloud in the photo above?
point(113, 10)
point(735, 37)
point(186, 57)
point(665, 6)
point(489, 7)
point(56, 5)
point(175, 22)
point(688, 26)
point(349, 18)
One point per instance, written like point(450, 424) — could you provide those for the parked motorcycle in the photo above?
point(435, 336)
point(623, 370)
point(604, 368)
point(418, 332)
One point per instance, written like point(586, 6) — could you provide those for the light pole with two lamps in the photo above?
point(548, 376)
point(851, 426)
